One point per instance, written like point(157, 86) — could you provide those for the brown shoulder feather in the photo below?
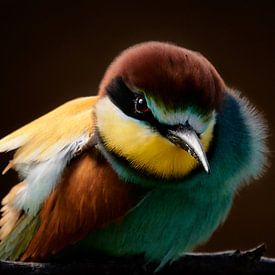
point(89, 197)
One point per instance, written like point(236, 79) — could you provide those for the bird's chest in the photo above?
point(165, 223)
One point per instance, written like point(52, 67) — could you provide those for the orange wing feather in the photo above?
point(89, 197)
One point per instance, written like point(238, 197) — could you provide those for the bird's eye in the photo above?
point(141, 105)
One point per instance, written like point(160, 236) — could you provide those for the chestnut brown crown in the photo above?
point(171, 74)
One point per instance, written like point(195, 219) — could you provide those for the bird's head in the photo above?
point(156, 111)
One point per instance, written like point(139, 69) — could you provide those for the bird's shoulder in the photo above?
point(43, 149)
point(89, 197)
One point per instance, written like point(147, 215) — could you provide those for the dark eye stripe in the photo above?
point(121, 95)
point(125, 99)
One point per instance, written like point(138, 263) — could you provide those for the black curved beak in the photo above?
point(185, 137)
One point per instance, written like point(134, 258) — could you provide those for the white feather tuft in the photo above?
point(42, 177)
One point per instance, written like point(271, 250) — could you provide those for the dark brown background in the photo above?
point(50, 53)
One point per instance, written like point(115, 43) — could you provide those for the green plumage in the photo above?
point(176, 216)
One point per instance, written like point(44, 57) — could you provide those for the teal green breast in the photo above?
point(176, 216)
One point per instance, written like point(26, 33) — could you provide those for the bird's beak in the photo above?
point(185, 137)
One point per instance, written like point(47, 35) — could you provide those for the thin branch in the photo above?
point(228, 262)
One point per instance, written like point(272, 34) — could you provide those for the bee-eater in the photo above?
point(148, 166)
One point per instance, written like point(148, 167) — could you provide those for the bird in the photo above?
point(149, 166)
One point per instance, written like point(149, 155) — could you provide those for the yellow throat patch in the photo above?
point(144, 148)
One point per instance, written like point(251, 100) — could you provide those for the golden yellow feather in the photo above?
point(39, 139)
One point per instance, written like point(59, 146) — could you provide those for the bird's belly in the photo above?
point(166, 223)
